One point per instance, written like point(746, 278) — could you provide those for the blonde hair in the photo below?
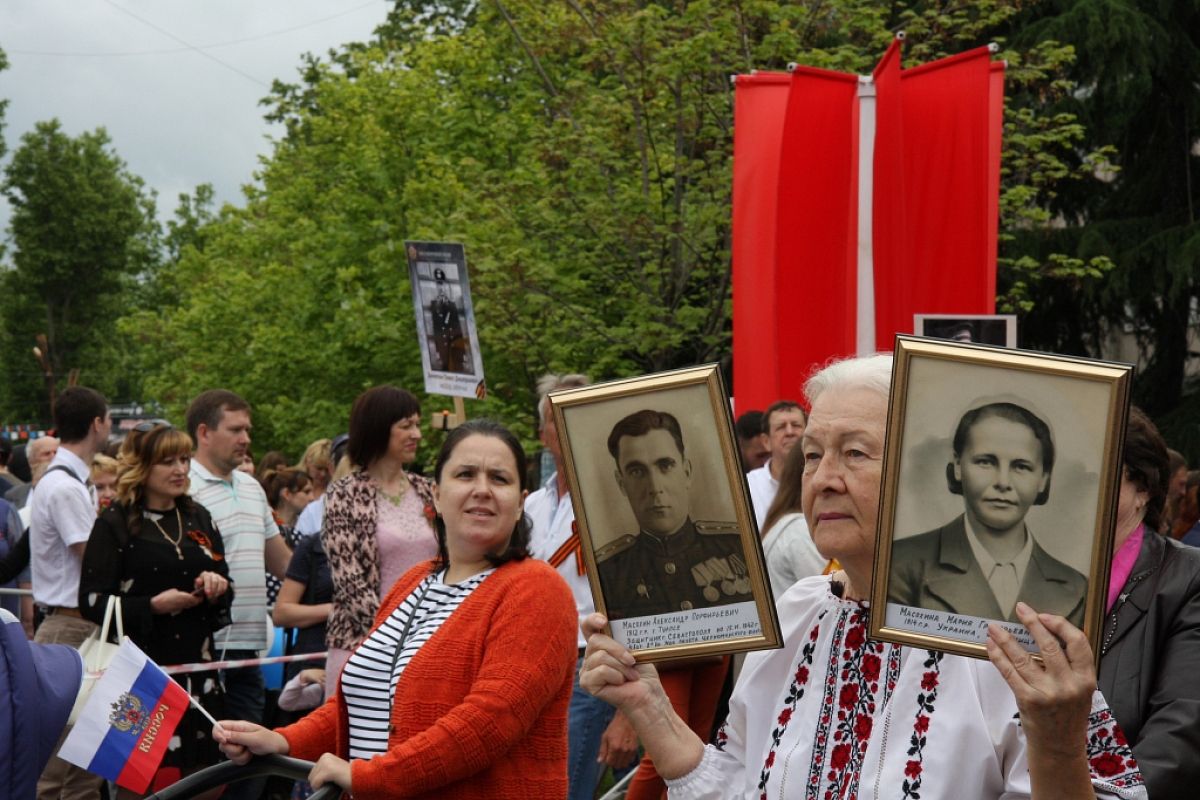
point(103, 464)
point(317, 454)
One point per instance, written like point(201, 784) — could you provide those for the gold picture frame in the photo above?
point(663, 514)
point(996, 458)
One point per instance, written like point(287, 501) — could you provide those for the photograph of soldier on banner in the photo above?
point(445, 318)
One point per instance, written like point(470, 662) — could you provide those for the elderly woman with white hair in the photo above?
point(835, 714)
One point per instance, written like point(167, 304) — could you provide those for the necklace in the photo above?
point(179, 536)
point(394, 499)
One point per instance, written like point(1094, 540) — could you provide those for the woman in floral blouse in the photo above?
point(378, 519)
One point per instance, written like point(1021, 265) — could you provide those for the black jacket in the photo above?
point(1150, 665)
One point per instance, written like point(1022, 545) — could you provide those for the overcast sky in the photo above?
point(175, 82)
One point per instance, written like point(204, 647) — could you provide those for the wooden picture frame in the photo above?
point(668, 534)
point(968, 476)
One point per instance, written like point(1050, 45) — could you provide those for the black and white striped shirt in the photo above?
point(365, 679)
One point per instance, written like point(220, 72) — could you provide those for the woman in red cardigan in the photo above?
point(461, 687)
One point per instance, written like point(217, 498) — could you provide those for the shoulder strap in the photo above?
point(63, 468)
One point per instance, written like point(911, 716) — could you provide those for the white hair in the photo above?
point(551, 382)
point(864, 372)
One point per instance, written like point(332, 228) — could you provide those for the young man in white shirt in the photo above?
point(62, 513)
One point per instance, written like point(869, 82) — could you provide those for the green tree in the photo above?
point(1137, 69)
point(83, 231)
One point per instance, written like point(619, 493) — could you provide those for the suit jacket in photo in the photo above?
point(937, 570)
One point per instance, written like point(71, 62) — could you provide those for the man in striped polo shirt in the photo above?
point(219, 423)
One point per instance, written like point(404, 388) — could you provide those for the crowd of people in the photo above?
point(464, 655)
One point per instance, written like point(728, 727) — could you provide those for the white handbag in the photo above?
point(97, 652)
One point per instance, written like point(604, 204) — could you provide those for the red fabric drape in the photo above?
point(939, 263)
point(815, 235)
point(759, 104)
point(935, 188)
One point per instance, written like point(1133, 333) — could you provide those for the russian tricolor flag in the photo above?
point(126, 724)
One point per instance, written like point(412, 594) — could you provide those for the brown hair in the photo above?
point(374, 413)
point(150, 448)
point(276, 480)
point(1146, 463)
point(209, 407)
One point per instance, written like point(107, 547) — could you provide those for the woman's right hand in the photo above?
point(611, 673)
point(172, 601)
point(240, 740)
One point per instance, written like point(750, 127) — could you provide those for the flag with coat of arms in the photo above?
point(125, 726)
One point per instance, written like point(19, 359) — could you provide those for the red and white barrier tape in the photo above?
point(178, 669)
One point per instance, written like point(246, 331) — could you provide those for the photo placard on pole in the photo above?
point(450, 356)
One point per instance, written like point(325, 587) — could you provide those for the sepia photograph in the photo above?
point(999, 486)
point(994, 329)
point(445, 318)
point(673, 556)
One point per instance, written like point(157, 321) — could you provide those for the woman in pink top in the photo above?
point(377, 519)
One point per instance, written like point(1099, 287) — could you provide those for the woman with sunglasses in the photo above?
point(159, 552)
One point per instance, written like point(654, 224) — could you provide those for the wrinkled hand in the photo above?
point(240, 740)
point(313, 675)
point(619, 744)
point(211, 585)
point(1055, 696)
point(611, 673)
point(330, 769)
point(172, 601)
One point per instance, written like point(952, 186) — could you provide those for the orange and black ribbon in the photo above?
point(571, 545)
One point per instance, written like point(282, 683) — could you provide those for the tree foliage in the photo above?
point(1137, 70)
point(82, 232)
point(581, 150)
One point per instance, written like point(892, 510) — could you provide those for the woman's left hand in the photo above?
point(211, 585)
point(330, 769)
point(1054, 696)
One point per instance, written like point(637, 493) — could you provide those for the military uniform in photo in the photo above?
point(699, 566)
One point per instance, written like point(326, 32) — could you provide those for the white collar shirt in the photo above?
point(551, 526)
point(62, 513)
point(763, 488)
point(1005, 577)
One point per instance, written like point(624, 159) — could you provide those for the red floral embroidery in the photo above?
point(855, 637)
point(849, 696)
point(840, 757)
point(1106, 765)
point(784, 716)
point(431, 512)
point(917, 740)
point(802, 675)
point(862, 726)
point(870, 667)
point(795, 693)
point(1108, 752)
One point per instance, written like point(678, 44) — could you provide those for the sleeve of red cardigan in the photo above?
point(530, 652)
point(313, 736)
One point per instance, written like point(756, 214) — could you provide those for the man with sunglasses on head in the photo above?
point(62, 512)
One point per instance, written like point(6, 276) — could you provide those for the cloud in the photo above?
point(177, 118)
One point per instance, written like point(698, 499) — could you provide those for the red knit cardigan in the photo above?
point(481, 709)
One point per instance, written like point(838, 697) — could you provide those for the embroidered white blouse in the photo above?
point(835, 715)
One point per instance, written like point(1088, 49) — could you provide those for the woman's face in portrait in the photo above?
point(169, 477)
point(404, 439)
point(479, 496)
point(843, 460)
point(1001, 472)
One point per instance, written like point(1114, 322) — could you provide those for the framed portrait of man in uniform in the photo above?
point(663, 517)
point(1001, 475)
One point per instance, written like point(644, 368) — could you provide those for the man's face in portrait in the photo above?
point(656, 478)
point(1001, 471)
